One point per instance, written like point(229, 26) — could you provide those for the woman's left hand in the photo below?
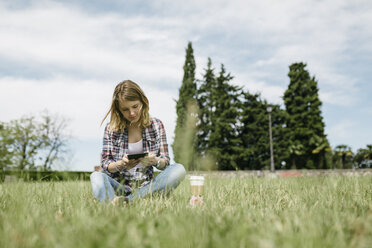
point(150, 159)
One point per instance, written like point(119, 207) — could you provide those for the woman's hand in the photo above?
point(149, 160)
point(126, 163)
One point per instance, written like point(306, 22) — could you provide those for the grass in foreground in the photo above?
point(251, 212)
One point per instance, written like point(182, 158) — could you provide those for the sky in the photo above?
point(67, 57)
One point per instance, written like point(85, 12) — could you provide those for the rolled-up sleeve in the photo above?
point(106, 154)
point(163, 146)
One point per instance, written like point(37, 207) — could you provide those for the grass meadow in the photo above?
point(333, 211)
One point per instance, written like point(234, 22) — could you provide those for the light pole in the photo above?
point(272, 168)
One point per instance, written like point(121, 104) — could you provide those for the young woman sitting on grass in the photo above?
point(131, 130)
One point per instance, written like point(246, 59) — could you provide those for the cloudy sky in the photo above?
point(68, 56)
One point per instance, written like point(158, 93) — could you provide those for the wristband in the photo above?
point(157, 165)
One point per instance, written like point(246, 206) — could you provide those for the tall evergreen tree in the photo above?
point(304, 120)
point(224, 137)
point(187, 96)
point(207, 104)
point(280, 143)
point(255, 140)
point(254, 132)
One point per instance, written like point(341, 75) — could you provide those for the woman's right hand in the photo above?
point(127, 164)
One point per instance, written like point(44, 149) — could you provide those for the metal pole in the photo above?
point(272, 167)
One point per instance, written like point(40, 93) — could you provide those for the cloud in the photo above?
point(60, 40)
point(342, 129)
point(271, 93)
point(349, 132)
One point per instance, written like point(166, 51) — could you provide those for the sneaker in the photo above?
point(120, 201)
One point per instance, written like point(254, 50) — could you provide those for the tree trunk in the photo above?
point(343, 158)
point(321, 160)
point(23, 159)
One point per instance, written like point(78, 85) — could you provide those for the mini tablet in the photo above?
point(137, 156)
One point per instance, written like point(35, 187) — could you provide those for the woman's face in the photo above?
point(131, 110)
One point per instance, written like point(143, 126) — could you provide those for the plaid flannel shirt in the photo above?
point(115, 146)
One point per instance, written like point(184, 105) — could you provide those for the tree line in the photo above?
point(228, 126)
point(33, 142)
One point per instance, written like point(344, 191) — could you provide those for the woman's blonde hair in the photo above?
point(127, 91)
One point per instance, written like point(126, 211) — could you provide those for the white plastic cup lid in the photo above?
point(197, 180)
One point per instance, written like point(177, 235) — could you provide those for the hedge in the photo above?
point(17, 175)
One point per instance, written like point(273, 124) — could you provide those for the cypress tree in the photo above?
point(254, 134)
point(207, 104)
point(224, 139)
point(280, 132)
point(187, 97)
point(304, 119)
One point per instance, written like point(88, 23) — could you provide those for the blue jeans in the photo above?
point(105, 188)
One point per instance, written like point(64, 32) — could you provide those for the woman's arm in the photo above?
point(163, 147)
point(158, 155)
point(107, 160)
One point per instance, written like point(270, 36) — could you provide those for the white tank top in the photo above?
point(137, 171)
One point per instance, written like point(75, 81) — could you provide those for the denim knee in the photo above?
point(97, 179)
point(101, 187)
point(178, 172)
point(96, 175)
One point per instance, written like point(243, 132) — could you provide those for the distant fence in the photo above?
point(15, 175)
point(284, 173)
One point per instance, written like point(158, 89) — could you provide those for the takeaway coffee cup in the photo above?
point(197, 184)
